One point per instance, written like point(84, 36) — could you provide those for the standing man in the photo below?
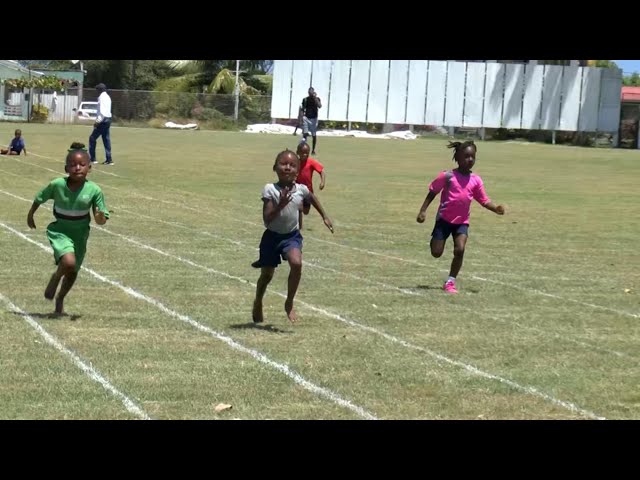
point(310, 106)
point(102, 126)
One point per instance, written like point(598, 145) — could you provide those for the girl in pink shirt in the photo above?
point(459, 187)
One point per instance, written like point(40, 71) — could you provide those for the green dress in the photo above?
point(70, 231)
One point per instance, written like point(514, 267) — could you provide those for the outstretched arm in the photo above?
point(499, 209)
point(32, 210)
point(316, 204)
point(323, 179)
point(422, 214)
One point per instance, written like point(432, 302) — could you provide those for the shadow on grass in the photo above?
point(259, 326)
point(51, 315)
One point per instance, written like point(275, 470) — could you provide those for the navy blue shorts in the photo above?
point(442, 229)
point(274, 245)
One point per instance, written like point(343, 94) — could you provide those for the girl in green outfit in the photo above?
point(73, 198)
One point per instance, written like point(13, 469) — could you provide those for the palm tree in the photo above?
point(218, 76)
point(225, 82)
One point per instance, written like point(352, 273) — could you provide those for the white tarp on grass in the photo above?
point(288, 130)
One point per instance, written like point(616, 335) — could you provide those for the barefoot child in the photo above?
point(281, 204)
point(16, 146)
point(73, 198)
point(458, 186)
point(305, 175)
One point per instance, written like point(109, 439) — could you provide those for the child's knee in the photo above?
point(295, 262)
point(436, 250)
point(458, 252)
point(68, 264)
point(266, 274)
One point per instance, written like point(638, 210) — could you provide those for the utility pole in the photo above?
point(237, 91)
point(134, 81)
point(81, 85)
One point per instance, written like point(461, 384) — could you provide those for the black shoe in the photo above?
point(256, 264)
point(313, 153)
point(108, 162)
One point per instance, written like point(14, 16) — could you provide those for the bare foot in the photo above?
point(59, 306)
point(291, 314)
point(50, 291)
point(257, 312)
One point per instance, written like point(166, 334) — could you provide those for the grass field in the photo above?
point(546, 325)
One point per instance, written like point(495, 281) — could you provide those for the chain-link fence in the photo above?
point(207, 110)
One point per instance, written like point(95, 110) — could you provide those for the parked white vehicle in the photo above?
point(87, 111)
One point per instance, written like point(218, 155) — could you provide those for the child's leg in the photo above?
point(294, 257)
point(439, 237)
point(52, 286)
point(437, 247)
point(62, 246)
point(459, 243)
point(266, 274)
point(68, 266)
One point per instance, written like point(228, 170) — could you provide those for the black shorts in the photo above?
point(274, 246)
point(442, 229)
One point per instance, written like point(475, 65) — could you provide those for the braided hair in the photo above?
point(460, 146)
point(75, 148)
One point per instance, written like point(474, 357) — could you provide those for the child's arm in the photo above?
point(499, 209)
point(24, 149)
point(316, 204)
point(32, 210)
point(100, 211)
point(422, 214)
point(323, 178)
point(271, 210)
point(481, 197)
point(41, 197)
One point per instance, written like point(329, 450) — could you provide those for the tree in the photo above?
point(632, 80)
point(200, 75)
point(225, 82)
point(601, 63)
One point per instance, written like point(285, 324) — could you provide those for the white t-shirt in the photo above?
point(104, 107)
point(287, 220)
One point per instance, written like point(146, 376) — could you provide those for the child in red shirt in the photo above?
point(307, 167)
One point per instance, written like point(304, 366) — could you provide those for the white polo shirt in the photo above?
point(104, 107)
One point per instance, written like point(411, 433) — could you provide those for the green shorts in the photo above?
point(65, 239)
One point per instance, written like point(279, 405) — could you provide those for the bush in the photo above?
point(39, 113)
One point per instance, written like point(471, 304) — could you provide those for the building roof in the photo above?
point(630, 94)
point(16, 66)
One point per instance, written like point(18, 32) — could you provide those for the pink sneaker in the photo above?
point(450, 287)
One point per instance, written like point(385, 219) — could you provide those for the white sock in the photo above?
point(451, 279)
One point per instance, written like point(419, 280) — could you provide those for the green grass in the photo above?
point(542, 316)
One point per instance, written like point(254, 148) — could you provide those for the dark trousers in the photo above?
point(101, 129)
